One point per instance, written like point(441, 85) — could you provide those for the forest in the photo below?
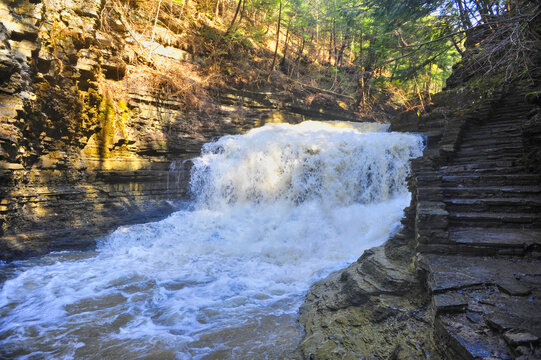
point(373, 52)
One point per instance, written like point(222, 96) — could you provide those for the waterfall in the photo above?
point(175, 176)
point(274, 210)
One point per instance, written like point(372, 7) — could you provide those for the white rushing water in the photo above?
point(274, 210)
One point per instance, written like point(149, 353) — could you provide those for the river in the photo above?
point(272, 211)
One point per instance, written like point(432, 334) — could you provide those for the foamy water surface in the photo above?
point(274, 210)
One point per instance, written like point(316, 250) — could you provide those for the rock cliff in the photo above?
point(92, 135)
point(461, 280)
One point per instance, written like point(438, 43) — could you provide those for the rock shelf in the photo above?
point(468, 258)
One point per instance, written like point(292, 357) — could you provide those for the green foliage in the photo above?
point(533, 98)
point(361, 47)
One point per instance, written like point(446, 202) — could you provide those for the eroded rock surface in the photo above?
point(374, 309)
point(88, 137)
point(464, 280)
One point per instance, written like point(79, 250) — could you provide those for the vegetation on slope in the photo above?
point(374, 52)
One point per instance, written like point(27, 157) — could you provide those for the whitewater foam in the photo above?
point(274, 210)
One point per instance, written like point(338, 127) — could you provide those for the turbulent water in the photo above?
point(273, 211)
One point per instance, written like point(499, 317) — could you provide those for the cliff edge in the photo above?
point(462, 279)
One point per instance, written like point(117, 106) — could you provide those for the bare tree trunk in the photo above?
point(277, 42)
point(317, 22)
point(242, 11)
point(481, 9)
point(234, 18)
point(464, 18)
point(333, 42)
point(361, 47)
point(286, 46)
point(455, 44)
point(340, 54)
point(154, 31)
point(299, 56)
point(352, 50)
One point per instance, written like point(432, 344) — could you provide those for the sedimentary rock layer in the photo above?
point(87, 139)
point(462, 278)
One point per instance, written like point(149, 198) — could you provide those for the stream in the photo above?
point(271, 212)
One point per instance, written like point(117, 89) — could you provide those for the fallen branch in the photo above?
point(323, 90)
point(154, 29)
point(126, 24)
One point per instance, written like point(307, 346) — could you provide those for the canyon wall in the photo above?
point(460, 280)
point(89, 138)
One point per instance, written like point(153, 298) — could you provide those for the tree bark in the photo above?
point(234, 18)
point(242, 11)
point(299, 56)
point(286, 46)
point(277, 42)
point(464, 18)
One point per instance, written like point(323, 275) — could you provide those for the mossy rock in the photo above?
point(533, 97)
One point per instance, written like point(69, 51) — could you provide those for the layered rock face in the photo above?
point(87, 138)
point(484, 274)
point(462, 278)
point(71, 167)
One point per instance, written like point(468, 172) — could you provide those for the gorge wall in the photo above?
point(461, 278)
point(87, 143)
point(89, 138)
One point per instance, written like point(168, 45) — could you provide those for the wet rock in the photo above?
point(383, 313)
point(450, 302)
point(431, 215)
point(515, 289)
point(474, 223)
point(458, 339)
point(517, 337)
point(367, 307)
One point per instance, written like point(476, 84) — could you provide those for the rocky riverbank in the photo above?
point(88, 144)
point(462, 278)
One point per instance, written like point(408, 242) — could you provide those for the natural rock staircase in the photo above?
point(474, 230)
point(481, 249)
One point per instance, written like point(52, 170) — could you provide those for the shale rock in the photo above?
point(81, 133)
point(473, 233)
point(374, 309)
